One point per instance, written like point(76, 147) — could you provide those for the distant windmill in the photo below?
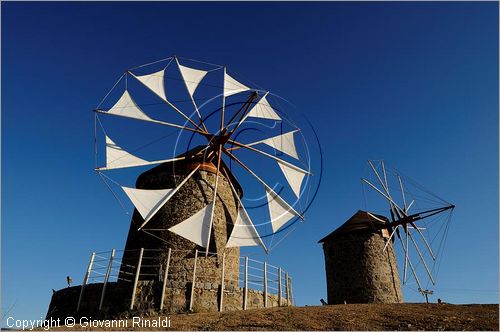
point(411, 219)
point(361, 265)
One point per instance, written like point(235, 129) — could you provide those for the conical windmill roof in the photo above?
point(360, 221)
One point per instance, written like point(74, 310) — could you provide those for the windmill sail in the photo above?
point(294, 176)
point(126, 106)
point(116, 157)
point(232, 86)
point(279, 210)
point(147, 202)
point(154, 82)
point(196, 227)
point(263, 110)
point(192, 78)
point(244, 233)
point(284, 143)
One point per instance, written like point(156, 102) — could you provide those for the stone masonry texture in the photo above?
point(358, 270)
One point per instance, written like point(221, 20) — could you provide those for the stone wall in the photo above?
point(148, 296)
point(359, 270)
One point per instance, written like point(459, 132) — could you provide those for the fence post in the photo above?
point(108, 272)
point(291, 293)
point(194, 280)
point(165, 277)
point(246, 285)
point(85, 280)
point(222, 281)
point(265, 285)
point(287, 289)
point(279, 287)
point(136, 280)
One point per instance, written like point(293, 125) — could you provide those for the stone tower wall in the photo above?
point(194, 195)
point(358, 270)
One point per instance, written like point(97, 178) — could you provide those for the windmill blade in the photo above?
point(197, 227)
point(232, 86)
point(126, 106)
point(284, 143)
point(294, 177)
point(262, 109)
point(146, 201)
point(247, 234)
point(281, 209)
point(156, 88)
point(421, 258)
point(117, 157)
point(244, 233)
point(167, 198)
point(192, 78)
point(154, 82)
point(246, 146)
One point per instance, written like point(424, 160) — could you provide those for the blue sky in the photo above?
point(415, 84)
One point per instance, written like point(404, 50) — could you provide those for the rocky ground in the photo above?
point(340, 317)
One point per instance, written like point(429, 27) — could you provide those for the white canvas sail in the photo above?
point(155, 82)
point(244, 233)
point(294, 176)
point(232, 86)
point(116, 157)
point(196, 227)
point(284, 143)
point(279, 211)
point(263, 110)
point(126, 106)
point(147, 202)
point(192, 78)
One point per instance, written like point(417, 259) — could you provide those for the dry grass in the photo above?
point(345, 317)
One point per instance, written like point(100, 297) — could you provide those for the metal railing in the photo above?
point(111, 266)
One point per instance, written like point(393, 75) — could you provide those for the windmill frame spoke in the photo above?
point(423, 238)
point(167, 198)
point(169, 124)
point(245, 146)
point(411, 265)
point(232, 156)
point(403, 194)
point(245, 108)
point(389, 239)
point(407, 252)
point(421, 258)
point(104, 168)
point(390, 200)
point(219, 157)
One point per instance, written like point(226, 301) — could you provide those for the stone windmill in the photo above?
point(191, 217)
point(361, 265)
